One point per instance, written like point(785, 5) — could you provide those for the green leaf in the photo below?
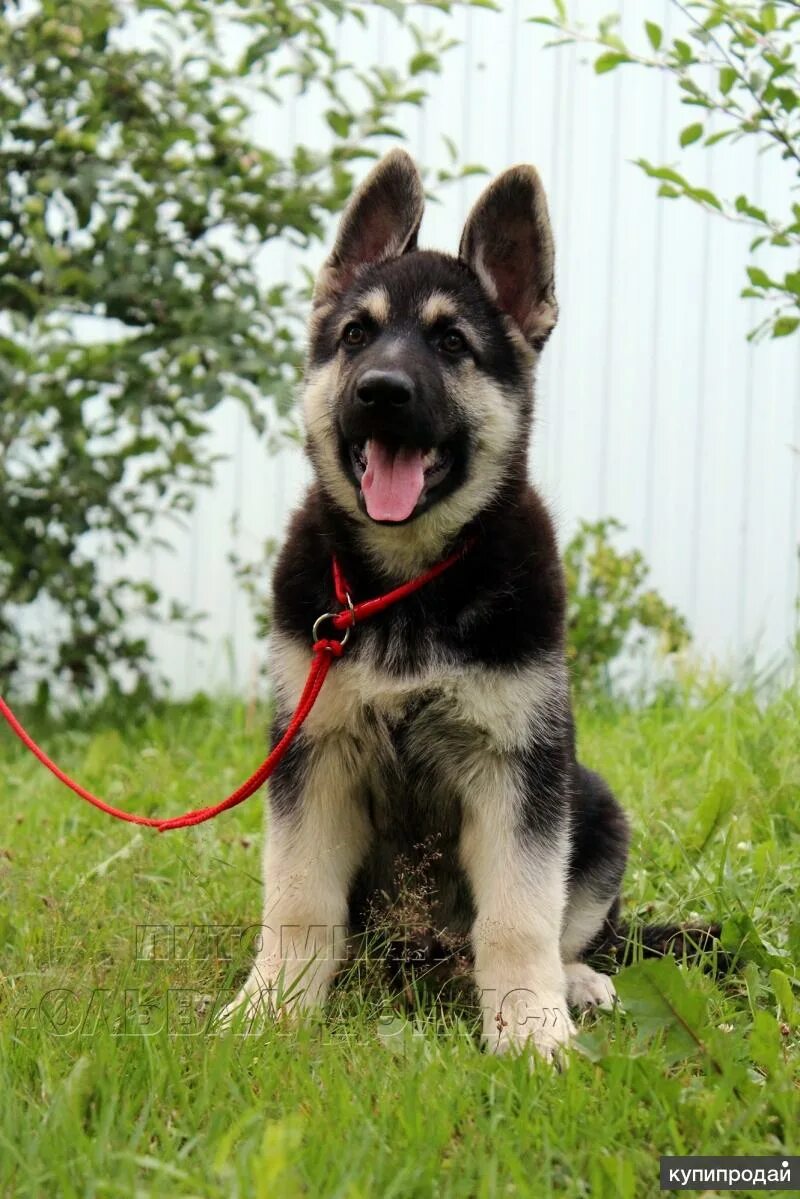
point(655, 994)
point(765, 1041)
point(340, 122)
point(702, 195)
point(653, 33)
point(742, 940)
point(424, 62)
point(788, 98)
point(609, 61)
point(683, 52)
point(667, 173)
point(782, 989)
point(727, 78)
point(742, 204)
point(784, 325)
point(692, 133)
point(450, 145)
point(719, 136)
point(712, 814)
point(758, 277)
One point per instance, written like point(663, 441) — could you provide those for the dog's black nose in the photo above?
point(384, 387)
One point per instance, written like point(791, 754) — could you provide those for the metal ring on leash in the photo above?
point(330, 616)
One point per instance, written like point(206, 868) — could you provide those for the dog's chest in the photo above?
point(411, 728)
point(419, 747)
point(437, 707)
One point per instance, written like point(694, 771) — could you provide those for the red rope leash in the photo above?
point(324, 651)
point(352, 615)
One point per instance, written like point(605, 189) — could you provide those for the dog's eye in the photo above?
point(452, 342)
point(354, 334)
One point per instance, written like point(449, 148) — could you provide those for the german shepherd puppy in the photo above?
point(449, 716)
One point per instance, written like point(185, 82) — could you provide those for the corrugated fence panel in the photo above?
point(652, 405)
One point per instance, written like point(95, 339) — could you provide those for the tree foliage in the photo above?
point(738, 66)
point(140, 188)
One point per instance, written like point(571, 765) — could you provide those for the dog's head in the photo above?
point(419, 388)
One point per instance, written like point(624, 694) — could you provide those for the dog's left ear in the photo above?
point(508, 242)
point(380, 222)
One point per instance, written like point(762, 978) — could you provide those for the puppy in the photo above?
point(447, 720)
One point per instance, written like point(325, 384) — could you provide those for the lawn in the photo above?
point(116, 941)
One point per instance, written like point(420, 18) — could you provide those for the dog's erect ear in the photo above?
point(380, 222)
point(508, 242)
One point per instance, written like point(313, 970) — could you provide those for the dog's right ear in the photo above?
point(380, 222)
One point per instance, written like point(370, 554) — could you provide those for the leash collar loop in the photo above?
point(324, 653)
point(332, 616)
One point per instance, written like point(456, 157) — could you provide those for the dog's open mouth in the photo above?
point(394, 482)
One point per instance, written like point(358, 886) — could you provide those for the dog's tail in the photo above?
point(628, 942)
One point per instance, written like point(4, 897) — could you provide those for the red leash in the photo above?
point(324, 651)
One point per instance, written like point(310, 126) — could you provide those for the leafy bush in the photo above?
point(611, 615)
point(135, 207)
point(738, 68)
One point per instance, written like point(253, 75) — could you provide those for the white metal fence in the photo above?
point(652, 406)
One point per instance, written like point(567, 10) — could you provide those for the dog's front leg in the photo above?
point(517, 873)
point(318, 833)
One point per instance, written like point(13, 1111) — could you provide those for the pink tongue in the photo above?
point(392, 483)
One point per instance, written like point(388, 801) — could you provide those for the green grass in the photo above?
point(372, 1101)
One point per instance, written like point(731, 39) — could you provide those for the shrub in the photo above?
point(611, 615)
point(134, 209)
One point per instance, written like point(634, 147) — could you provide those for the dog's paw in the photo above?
point(550, 1039)
point(254, 1003)
point(544, 1027)
point(588, 988)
